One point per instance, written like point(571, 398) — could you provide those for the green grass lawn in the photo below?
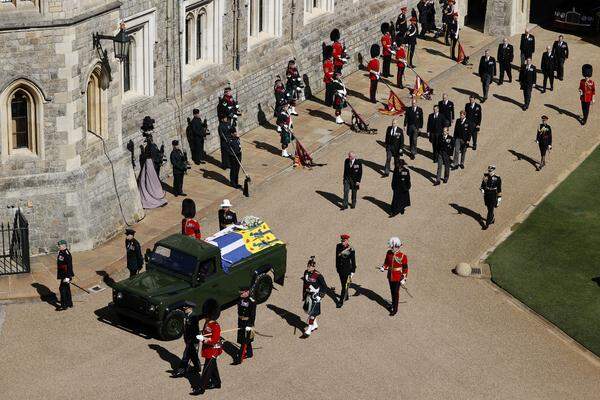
point(551, 260)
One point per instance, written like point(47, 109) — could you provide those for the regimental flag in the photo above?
point(237, 244)
point(462, 57)
point(394, 106)
point(421, 89)
point(302, 158)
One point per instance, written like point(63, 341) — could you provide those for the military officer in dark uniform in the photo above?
point(345, 264)
point(223, 129)
point(228, 112)
point(394, 145)
point(411, 40)
point(64, 273)
point(226, 216)
point(527, 46)
point(191, 329)
point(548, 68)
point(135, 260)
point(400, 188)
point(505, 56)
point(445, 148)
point(544, 140)
point(454, 30)
point(446, 108)
point(435, 126)
point(233, 151)
point(196, 131)
point(527, 79)
point(474, 114)
point(413, 122)
point(180, 167)
point(491, 187)
point(246, 309)
point(561, 49)
point(352, 177)
point(487, 72)
point(401, 27)
point(462, 135)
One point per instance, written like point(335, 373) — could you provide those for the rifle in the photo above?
point(77, 286)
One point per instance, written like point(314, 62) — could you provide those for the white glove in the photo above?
point(200, 337)
point(381, 269)
point(499, 200)
point(66, 280)
point(550, 147)
point(317, 299)
point(377, 75)
point(393, 52)
point(313, 289)
point(482, 191)
point(248, 328)
point(351, 275)
point(403, 281)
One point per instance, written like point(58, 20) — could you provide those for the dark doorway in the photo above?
point(541, 11)
point(475, 17)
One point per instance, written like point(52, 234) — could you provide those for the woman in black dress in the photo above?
point(401, 188)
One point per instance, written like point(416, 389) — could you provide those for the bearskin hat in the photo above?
point(385, 28)
point(335, 35)
point(211, 310)
point(587, 70)
point(188, 208)
point(375, 50)
point(327, 51)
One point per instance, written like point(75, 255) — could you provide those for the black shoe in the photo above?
point(178, 373)
point(197, 392)
point(500, 83)
point(385, 175)
point(343, 208)
point(401, 86)
point(543, 90)
point(484, 99)
point(352, 206)
point(392, 215)
point(445, 180)
point(392, 313)
point(462, 166)
point(524, 108)
point(214, 386)
point(339, 305)
point(474, 147)
point(60, 308)
point(484, 227)
point(183, 194)
point(436, 183)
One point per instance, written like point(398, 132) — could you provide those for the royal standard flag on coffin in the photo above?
point(237, 242)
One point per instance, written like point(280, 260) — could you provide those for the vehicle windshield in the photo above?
point(174, 261)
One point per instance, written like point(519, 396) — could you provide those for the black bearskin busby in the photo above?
point(188, 208)
point(211, 310)
point(335, 35)
point(327, 52)
point(587, 70)
point(147, 124)
point(375, 50)
point(385, 28)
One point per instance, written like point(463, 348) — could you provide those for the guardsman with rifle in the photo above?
point(189, 224)
point(314, 288)
point(340, 58)
point(491, 188)
point(64, 273)
point(246, 310)
point(345, 264)
point(401, 63)
point(328, 71)
point(191, 330)
point(373, 68)
point(386, 49)
point(135, 260)
point(396, 265)
point(211, 350)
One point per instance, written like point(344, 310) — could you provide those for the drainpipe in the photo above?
point(293, 12)
point(168, 67)
point(236, 34)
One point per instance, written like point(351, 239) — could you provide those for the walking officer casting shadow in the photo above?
point(64, 273)
point(191, 329)
point(345, 264)
point(491, 187)
point(135, 260)
point(352, 177)
point(246, 310)
point(396, 265)
point(544, 140)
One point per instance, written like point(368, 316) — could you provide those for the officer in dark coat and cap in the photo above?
point(191, 329)
point(401, 188)
point(180, 167)
point(345, 264)
point(135, 260)
point(196, 131)
point(491, 188)
point(246, 310)
point(64, 273)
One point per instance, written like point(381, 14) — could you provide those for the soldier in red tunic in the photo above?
point(401, 63)
point(396, 265)
point(211, 349)
point(587, 92)
point(386, 49)
point(328, 70)
point(189, 225)
point(339, 51)
point(373, 68)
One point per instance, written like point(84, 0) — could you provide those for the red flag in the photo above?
point(302, 158)
point(461, 54)
point(421, 89)
point(394, 106)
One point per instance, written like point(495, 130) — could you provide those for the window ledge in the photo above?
point(317, 13)
point(130, 98)
point(197, 67)
point(261, 38)
point(22, 154)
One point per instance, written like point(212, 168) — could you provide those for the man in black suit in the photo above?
point(413, 122)
point(445, 149)
point(487, 72)
point(462, 135)
point(394, 145)
point(527, 78)
point(473, 113)
point(561, 50)
point(454, 34)
point(505, 57)
point(548, 67)
point(527, 46)
point(435, 126)
point(352, 177)
point(446, 108)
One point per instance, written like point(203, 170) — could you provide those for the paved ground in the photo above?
point(456, 339)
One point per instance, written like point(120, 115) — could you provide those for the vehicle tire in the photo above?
point(262, 288)
point(172, 326)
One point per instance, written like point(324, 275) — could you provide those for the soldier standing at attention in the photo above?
point(561, 49)
point(189, 225)
point(401, 27)
point(401, 63)
point(373, 68)
point(226, 216)
point(474, 115)
point(487, 72)
point(413, 122)
point(400, 188)
point(328, 70)
point(587, 92)
point(338, 50)
point(491, 187)
point(233, 149)
point(548, 67)
point(527, 79)
point(396, 265)
point(544, 140)
point(527, 46)
point(246, 310)
point(211, 350)
point(506, 55)
point(198, 130)
point(64, 273)
point(190, 331)
point(352, 177)
point(445, 148)
point(411, 40)
point(345, 264)
point(386, 49)
point(180, 167)
point(135, 260)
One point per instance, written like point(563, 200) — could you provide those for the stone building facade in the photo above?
point(64, 113)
